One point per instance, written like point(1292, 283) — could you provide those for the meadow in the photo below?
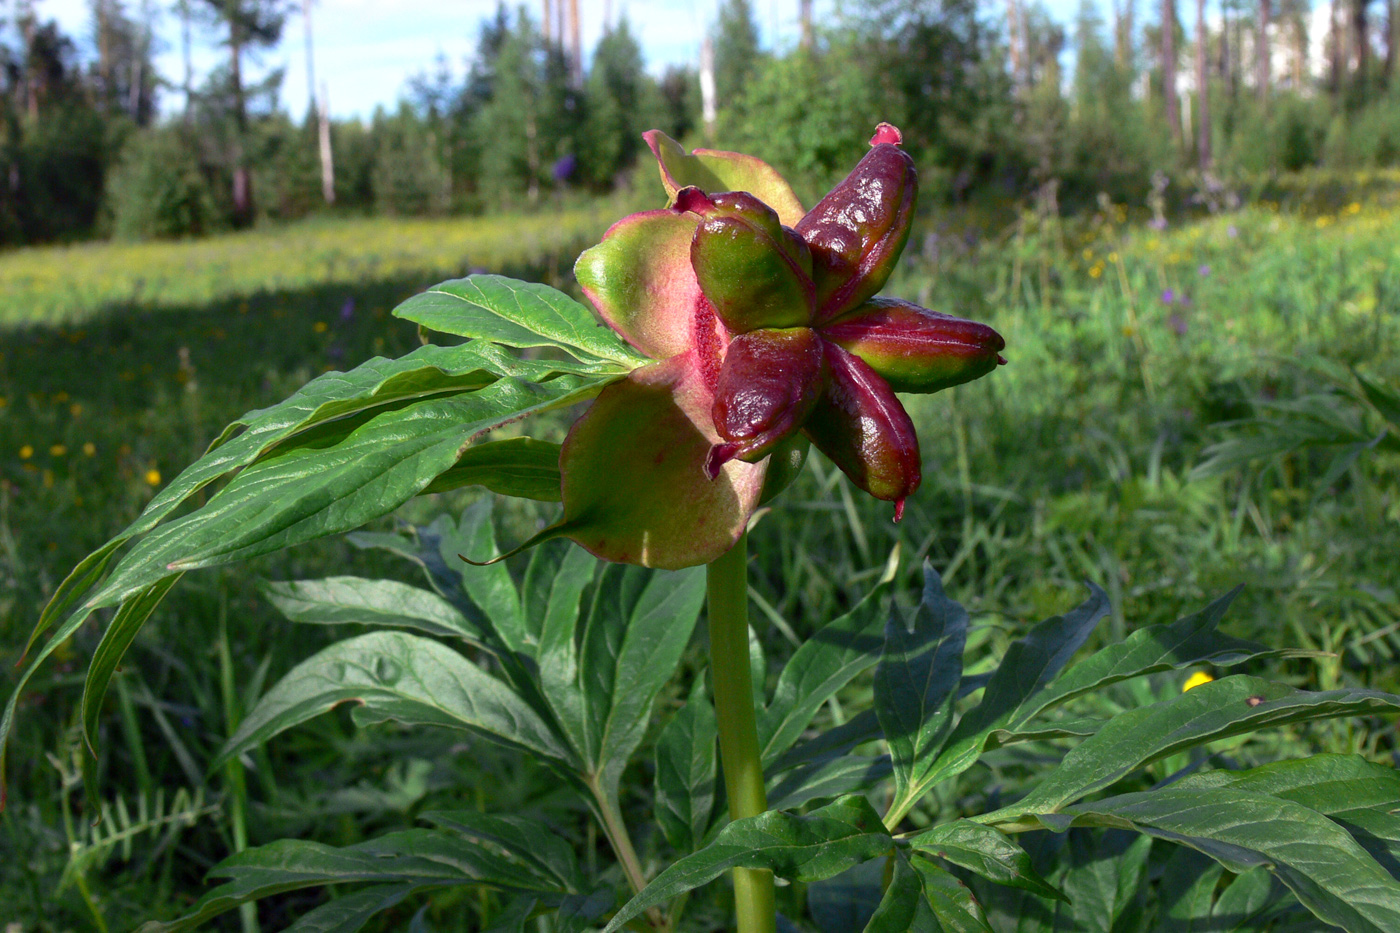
point(1134, 348)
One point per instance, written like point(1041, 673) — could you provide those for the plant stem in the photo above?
point(728, 603)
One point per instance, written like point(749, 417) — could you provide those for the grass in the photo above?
point(70, 286)
point(1129, 348)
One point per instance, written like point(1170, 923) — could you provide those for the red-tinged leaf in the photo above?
point(915, 349)
point(770, 382)
point(640, 280)
point(635, 489)
point(714, 170)
point(861, 426)
point(858, 230)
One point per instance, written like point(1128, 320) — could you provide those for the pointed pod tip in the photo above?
point(719, 455)
point(1001, 360)
point(887, 133)
point(898, 510)
point(692, 200)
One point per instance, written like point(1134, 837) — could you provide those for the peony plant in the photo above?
point(738, 329)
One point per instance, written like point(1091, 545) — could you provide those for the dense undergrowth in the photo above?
point(1132, 348)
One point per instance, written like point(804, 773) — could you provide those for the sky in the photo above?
point(366, 50)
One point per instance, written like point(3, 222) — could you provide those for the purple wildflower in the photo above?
point(1177, 323)
point(1168, 297)
point(1204, 271)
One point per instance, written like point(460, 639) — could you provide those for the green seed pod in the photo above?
point(756, 272)
point(915, 349)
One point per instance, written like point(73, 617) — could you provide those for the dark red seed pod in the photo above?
point(860, 425)
point(857, 232)
point(770, 382)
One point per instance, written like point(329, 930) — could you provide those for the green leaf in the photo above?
point(903, 909)
point(1361, 796)
point(1223, 708)
point(821, 666)
point(984, 851)
point(350, 912)
point(636, 631)
point(488, 590)
point(556, 612)
point(579, 912)
point(1188, 885)
point(1189, 641)
point(1333, 876)
point(311, 492)
point(74, 586)
point(1030, 663)
point(400, 677)
point(833, 778)
point(1104, 881)
point(519, 466)
point(1248, 898)
point(1044, 732)
point(415, 857)
point(1383, 398)
point(846, 902)
point(685, 772)
point(358, 601)
point(915, 685)
point(549, 854)
point(953, 904)
point(819, 845)
point(511, 920)
point(837, 741)
point(427, 372)
point(118, 637)
point(517, 314)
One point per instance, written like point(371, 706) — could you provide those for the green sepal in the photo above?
point(640, 280)
point(714, 170)
point(635, 489)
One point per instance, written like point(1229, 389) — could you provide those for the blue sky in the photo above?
point(367, 49)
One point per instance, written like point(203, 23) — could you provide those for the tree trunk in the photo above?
point(323, 132)
point(804, 12)
point(242, 175)
point(1202, 88)
point(1013, 40)
point(547, 22)
point(1123, 25)
point(1389, 40)
point(187, 45)
point(575, 45)
point(1169, 99)
point(708, 108)
point(1359, 30)
point(1262, 74)
point(1335, 40)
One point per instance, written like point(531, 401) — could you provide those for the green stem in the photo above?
point(728, 597)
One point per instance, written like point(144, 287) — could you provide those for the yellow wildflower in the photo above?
point(58, 450)
point(153, 477)
point(89, 449)
point(320, 327)
point(1195, 680)
point(26, 452)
